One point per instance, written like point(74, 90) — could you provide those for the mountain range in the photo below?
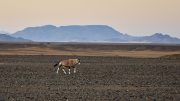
point(87, 33)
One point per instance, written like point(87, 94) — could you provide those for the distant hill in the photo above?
point(160, 38)
point(3, 32)
point(7, 38)
point(155, 38)
point(88, 33)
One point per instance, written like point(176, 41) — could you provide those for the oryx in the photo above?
point(70, 63)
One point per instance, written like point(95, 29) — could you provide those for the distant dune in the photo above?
point(173, 56)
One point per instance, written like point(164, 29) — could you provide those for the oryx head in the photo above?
point(78, 60)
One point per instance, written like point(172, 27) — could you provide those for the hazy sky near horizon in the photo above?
point(134, 17)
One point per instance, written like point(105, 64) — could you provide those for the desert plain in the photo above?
point(108, 72)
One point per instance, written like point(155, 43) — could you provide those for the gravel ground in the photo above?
point(33, 78)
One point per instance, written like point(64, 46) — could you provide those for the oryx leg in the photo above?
point(69, 70)
point(57, 70)
point(63, 70)
point(74, 69)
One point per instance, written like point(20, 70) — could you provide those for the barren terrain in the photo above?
point(30, 76)
point(79, 49)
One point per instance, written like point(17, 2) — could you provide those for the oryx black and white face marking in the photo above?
point(78, 61)
point(70, 63)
